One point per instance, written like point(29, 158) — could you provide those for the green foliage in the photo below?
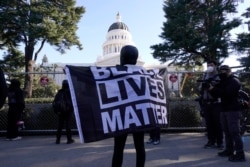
point(39, 100)
point(33, 23)
point(184, 115)
point(242, 44)
point(43, 91)
point(12, 63)
point(191, 86)
point(245, 80)
point(195, 31)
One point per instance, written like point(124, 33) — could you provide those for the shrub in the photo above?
point(184, 115)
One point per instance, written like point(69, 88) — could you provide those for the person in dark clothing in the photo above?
point(3, 89)
point(227, 90)
point(154, 136)
point(64, 118)
point(128, 57)
point(16, 107)
point(211, 108)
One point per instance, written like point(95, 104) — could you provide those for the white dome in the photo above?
point(118, 35)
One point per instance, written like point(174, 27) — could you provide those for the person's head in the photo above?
point(65, 84)
point(15, 83)
point(224, 72)
point(128, 55)
point(211, 66)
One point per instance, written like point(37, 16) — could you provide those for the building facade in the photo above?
point(118, 35)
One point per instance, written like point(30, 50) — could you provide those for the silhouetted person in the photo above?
point(228, 90)
point(64, 118)
point(128, 57)
point(16, 107)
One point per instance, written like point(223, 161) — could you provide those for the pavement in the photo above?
point(175, 150)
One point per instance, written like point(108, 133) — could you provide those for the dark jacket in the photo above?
point(227, 90)
point(67, 99)
point(15, 96)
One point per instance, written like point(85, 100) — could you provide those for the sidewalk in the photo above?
point(175, 150)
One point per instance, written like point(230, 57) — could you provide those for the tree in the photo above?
point(196, 31)
point(242, 44)
point(33, 23)
point(12, 63)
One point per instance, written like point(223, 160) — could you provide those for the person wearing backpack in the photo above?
point(65, 113)
point(227, 90)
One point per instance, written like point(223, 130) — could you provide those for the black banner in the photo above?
point(109, 101)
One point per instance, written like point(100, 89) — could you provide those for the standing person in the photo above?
point(16, 107)
point(128, 57)
point(64, 117)
point(211, 108)
point(3, 89)
point(228, 90)
point(154, 136)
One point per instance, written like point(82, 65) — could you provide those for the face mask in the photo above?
point(210, 69)
point(223, 76)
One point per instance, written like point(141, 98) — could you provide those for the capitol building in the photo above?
point(118, 35)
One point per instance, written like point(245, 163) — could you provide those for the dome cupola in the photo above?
point(117, 36)
point(118, 24)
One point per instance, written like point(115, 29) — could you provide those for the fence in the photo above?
point(182, 92)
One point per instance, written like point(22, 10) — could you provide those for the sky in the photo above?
point(144, 19)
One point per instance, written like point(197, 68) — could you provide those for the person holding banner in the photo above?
point(128, 57)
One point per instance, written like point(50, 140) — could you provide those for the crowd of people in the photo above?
point(222, 111)
point(219, 106)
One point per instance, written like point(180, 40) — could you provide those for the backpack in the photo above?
point(59, 103)
point(243, 99)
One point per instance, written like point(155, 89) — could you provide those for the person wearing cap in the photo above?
point(227, 90)
point(65, 118)
point(211, 108)
point(128, 57)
